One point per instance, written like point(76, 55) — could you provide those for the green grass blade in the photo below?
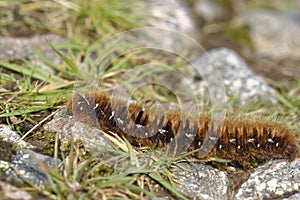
point(42, 74)
point(69, 61)
point(65, 72)
point(163, 182)
point(26, 111)
point(30, 72)
point(285, 102)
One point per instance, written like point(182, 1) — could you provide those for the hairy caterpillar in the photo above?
point(238, 140)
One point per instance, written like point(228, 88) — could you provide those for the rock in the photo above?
point(208, 10)
point(275, 180)
point(13, 48)
point(173, 19)
point(67, 127)
point(8, 191)
point(171, 14)
point(26, 165)
point(275, 34)
point(10, 136)
point(2, 89)
point(202, 182)
point(293, 197)
point(237, 78)
point(294, 5)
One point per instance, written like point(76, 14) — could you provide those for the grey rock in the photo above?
point(236, 77)
point(202, 182)
point(4, 165)
point(2, 89)
point(208, 10)
point(275, 34)
point(13, 48)
point(10, 136)
point(173, 15)
point(276, 179)
point(293, 197)
point(295, 5)
point(26, 165)
point(67, 127)
point(8, 191)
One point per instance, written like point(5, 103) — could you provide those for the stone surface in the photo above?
point(10, 136)
point(238, 80)
point(8, 191)
point(67, 127)
point(26, 165)
point(2, 89)
point(202, 182)
point(276, 37)
point(12, 48)
point(295, 5)
point(172, 14)
point(208, 10)
point(276, 179)
point(275, 34)
point(293, 197)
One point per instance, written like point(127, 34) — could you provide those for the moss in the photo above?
point(101, 170)
point(44, 141)
point(228, 7)
point(239, 34)
point(225, 4)
point(6, 151)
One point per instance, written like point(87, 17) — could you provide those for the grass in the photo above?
point(79, 20)
point(38, 90)
point(32, 94)
point(121, 173)
point(130, 174)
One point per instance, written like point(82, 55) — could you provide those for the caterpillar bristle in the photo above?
point(239, 140)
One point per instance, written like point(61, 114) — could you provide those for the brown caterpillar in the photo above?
point(238, 140)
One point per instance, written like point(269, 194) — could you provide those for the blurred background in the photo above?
point(266, 33)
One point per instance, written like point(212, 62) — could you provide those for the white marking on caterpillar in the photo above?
point(112, 115)
point(162, 131)
point(189, 135)
point(120, 121)
point(213, 138)
point(232, 140)
point(270, 140)
point(251, 140)
point(96, 106)
point(139, 126)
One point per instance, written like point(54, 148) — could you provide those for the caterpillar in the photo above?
point(237, 140)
